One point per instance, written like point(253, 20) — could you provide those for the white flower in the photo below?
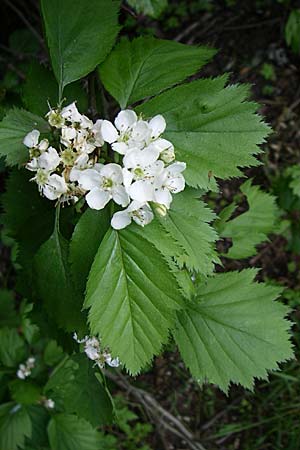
point(71, 113)
point(137, 211)
point(49, 160)
point(104, 183)
point(55, 187)
point(169, 181)
point(110, 361)
point(49, 403)
point(97, 133)
point(33, 165)
point(140, 169)
point(81, 163)
point(31, 140)
point(24, 370)
point(92, 348)
point(166, 150)
point(68, 134)
point(55, 119)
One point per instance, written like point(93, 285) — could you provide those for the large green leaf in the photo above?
point(233, 331)
point(86, 238)
point(146, 66)
point(40, 90)
point(12, 348)
point(132, 296)
point(80, 33)
point(13, 128)
point(75, 386)
point(252, 227)
point(54, 284)
point(214, 130)
point(15, 426)
point(152, 8)
point(8, 314)
point(187, 223)
point(69, 432)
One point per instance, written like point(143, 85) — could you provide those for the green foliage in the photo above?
point(8, 315)
point(74, 386)
point(85, 242)
point(15, 426)
point(233, 331)
point(69, 432)
point(131, 287)
point(146, 66)
point(54, 283)
point(214, 130)
point(187, 224)
point(13, 128)
point(53, 353)
point(12, 349)
point(268, 72)
point(152, 8)
point(294, 173)
point(252, 227)
point(40, 88)
point(24, 392)
point(292, 30)
point(95, 25)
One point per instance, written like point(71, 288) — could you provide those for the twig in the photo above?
point(249, 26)
point(187, 31)
point(26, 22)
point(157, 413)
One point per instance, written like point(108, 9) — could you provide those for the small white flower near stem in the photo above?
point(141, 213)
point(93, 350)
point(24, 370)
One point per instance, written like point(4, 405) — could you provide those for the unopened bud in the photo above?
point(160, 209)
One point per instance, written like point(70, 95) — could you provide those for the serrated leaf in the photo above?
point(294, 173)
point(53, 353)
point(233, 331)
point(146, 66)
point(13, 128)
point(252, 227)
point(85, 241)
point(80, 33)
point(69, 432)
point(152, 8)
point(39, 419)
point(214, 130)
point(187, 222)
point(132, 296)
point(40, 90)
point(54, 284)
point(75, 386)
point(12, 348)
point(15, 426)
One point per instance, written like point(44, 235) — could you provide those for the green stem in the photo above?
point(57, 216)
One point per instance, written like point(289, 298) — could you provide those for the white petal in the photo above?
point(120, 195)
point(108, 131)
point(142, 191)
point(70, 112)
point(113, 172)
point(49, 160)
point(58, 183)
point(132, 158)
point(125, 119)
point(143, 216)
point(120, 219)
point(127, 177)
point(120, 147)
point(74, 174)
point(31, 139)
point(43, 145)
point(177, 167)
point(148, 156)
point(89, 179)
point(163, 197)
point(176, 184)
point(141, 131)
point(82, 161)
point(96, 130)
point(33, 165)
point(157, 125)
point(97, 198)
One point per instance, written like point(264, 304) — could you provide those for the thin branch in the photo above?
point(158, 414)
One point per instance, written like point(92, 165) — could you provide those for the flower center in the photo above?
point(107, 183)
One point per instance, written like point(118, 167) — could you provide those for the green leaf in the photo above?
point(8, 315)
point(86, 238)
point(152, 8)
point(40, 88)
point(13, 128)
point(80, 33)
point(233, 331)
point(69, 432)
point(214, 130)
point(15, 426)
point(12, 348)
point(53, 353)
point(292, 30)
point(294, 173)
point(132, 296)
point(39, 418)
point(75, 385)
point(146, 66)
point(25, 392)
point(187, 223)
point(252, 227)
point(54, 284)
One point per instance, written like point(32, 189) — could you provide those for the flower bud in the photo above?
point(160, 209)
point(55, 119)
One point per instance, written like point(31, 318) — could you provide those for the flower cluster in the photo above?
point(93, 350)
point(24, 370)
point(79, 163)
